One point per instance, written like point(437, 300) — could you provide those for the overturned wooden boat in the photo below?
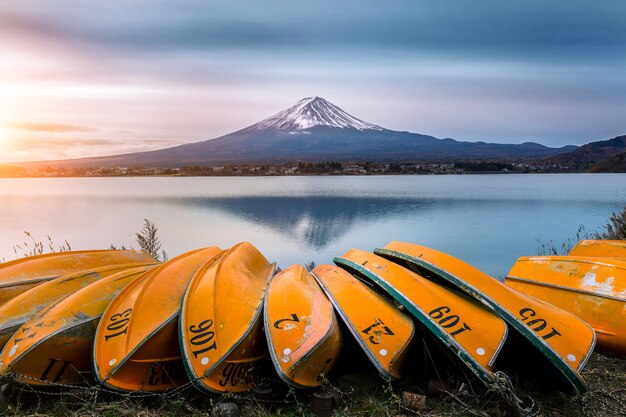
point(593, 289)
point(136, 343)
point(301, 328)
point(55, 345)
point(220, 328)
point(601, 248)
point(472, 332)
point(23, 274)
point(25, 305)
point(379, 327)
point(562, 338)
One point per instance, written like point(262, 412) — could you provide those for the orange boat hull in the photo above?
point(593, 289)
point(562, 338)
point(136, 343)
point(23, 274)
point(301, 328)
point(55, 346)
point(383, 331)
point(221, 316)
point(18, 310)
point(472, 332)
point(600, 248)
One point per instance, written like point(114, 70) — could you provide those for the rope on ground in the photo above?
point(503, 386)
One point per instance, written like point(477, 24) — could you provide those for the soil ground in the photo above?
point(356, 394)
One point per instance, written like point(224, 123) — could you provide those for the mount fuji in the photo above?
point(314, 129)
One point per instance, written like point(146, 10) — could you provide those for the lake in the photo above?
point(487, 220)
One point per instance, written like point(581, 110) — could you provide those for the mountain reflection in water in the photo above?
point(315, 220)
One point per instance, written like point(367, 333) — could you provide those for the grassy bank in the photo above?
point(357, 394)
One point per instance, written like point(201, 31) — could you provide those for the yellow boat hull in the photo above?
point(301, 328)
point(593, 289)
point(221, 312)
point(23, 274)
point(600, 248)
point(55, 346)
point(473, 333)
point(562, 338)
point(383, 331)
point(136, 346)
point(22, 307)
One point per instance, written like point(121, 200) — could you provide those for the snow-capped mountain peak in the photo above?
point(310, 112)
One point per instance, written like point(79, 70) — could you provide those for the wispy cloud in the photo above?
point(53, 147)
point(49, 127)
point(36, 142)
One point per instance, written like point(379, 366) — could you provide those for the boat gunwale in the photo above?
point(275, 360)
point(484, 375)
point(181, 332)
point(5, 325)
point(572, 375)
point(561, 287)
point(29, 281)
point(620, 262)
point(66, 253)
point(351, 326)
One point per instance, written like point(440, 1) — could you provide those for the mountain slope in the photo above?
point(600, 156)
point(316, 130)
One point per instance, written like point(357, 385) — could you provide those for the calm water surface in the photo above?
point(487, 220)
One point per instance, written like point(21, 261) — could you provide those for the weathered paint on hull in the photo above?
point(18, 310)
point(565, 340)
point(301, 328)
point(383, 331)
point(23, 274)
point(55, 346)
point(600, 248)
point(473, 333)
point(593, 289)
point(136, 346)
point(221, 311)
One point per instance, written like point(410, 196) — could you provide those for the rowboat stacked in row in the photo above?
point(590, 282)
point(215, 318)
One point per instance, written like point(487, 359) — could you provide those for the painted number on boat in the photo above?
point(58, 370)
point(537, 324)
point(164, 373)
point(376, 330)
point(202, 335)
point(294, 318)
point(118, 324)
point(236, 373)
point(447, 321)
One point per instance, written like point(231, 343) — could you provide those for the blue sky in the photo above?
point(94, 78)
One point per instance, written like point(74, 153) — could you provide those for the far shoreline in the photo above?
point(308, 175)
point(298, 168)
